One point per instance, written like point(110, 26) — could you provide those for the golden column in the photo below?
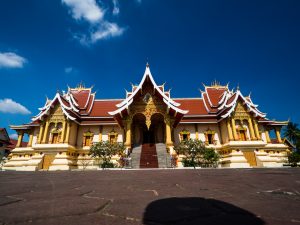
point(46, 132)
point(128, 133)
point(277, 129)
point(251, 129)
point(62, 138)
point(68, 132)
point(229, 130)
point(234, 129)
point(196, 131)
point(100, 132)
point(20, 139)
point(267, 136)
point(256, 130)
point(30, 139)
point(169, 142)
point(41, 133)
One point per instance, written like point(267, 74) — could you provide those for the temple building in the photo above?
point(148, 120)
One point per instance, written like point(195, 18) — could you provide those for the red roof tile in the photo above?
point(81, 96)
point(215, 94)
point(101, 108)
point(195, 106)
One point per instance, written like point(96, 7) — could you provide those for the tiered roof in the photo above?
point(216, 103)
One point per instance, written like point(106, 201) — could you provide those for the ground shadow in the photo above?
point(201, 211)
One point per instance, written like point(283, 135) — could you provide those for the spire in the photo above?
point(147, 64)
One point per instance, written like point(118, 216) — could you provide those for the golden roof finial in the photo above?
point(80, 86)
point(216, 84)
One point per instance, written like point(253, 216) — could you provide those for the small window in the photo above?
point(112, 137)
point(87, 141)
point(184, 135)
point(210, 139)
point(87, 138)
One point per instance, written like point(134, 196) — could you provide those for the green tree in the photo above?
point(104, 150)
point(294, 158)
point(196, 153)
point(292, 132)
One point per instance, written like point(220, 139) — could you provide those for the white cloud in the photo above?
point(7, 105)
point(93, 13)
point(106, 30)
point(85, 9)
point(11, 60)
point(116, 9)
point(13, 136)
point(69, 69)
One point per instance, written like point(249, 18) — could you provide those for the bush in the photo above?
point(104, 150)
point(107, 165)
point(197, 154)
point(294, 158)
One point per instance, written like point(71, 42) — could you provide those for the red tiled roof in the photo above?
point(215, 94)
point(81, 96)
point(195, 106)
point(101, 108)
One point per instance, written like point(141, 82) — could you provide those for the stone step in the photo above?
point(148, 156)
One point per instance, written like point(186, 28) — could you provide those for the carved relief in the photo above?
point(241, 112)
point(57, 115)
point(147, 105)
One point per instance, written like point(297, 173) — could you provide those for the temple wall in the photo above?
point(202, 128)
point(224, 132)
point(95, 129)
point(73, 134)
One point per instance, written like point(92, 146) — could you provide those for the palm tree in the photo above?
point(292, 132)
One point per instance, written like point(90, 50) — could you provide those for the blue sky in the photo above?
point(47, 45)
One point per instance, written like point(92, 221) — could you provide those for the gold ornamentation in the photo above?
point(147, 105)
point(241, 112)
point(57, 115)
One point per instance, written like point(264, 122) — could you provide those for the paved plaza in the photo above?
point(203, 196)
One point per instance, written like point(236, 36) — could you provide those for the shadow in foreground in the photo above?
point(200, 211)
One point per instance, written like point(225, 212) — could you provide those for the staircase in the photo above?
point(163, 157)
point(148, 156)
point(135, 157)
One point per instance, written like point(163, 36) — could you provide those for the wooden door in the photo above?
point(54, 138)
point(47, 160)
point(250, 157)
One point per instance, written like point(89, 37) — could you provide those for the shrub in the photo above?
point(105, 150)
point(294, 158)
point(197, 154)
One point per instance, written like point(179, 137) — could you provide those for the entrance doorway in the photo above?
point(143, 135)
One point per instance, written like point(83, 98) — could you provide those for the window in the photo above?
point(112, 137)
point(87, 138)
point(209, 137)
point(87, 141)
point(184, 135)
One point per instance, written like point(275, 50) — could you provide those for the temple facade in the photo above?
point(148, 120)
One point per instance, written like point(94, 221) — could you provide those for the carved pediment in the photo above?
point(147, 105)
point(241, 111)
point(56, 115)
